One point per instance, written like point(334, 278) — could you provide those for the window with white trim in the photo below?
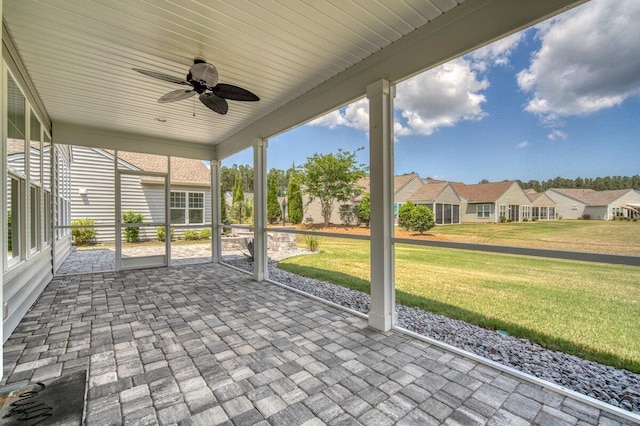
point(187, 207)
point(483, 211)
point(503, 210)
point(526, 212)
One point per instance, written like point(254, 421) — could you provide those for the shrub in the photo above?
point(509, 220)
point(503, 219)
point(586, 216)
point(525, 219)
point(191, 235)
point(205, 234)
point(312, 242)
point(347, 214)
point(421, 219)
point(364, 209)
point(160, 233)
point(404, 215)
point(83, 236)
point(535, 219)
point(132, 235)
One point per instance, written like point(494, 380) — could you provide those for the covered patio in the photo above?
point(207, 345)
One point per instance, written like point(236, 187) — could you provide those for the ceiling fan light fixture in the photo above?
point(203, 78)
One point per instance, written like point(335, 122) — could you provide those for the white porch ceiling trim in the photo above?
point(71, 134)
point(466, 27)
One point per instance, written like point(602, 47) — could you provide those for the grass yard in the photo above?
point(588, 309)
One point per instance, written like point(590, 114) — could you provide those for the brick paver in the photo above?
point(204, 344)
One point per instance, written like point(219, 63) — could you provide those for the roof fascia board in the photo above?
point(464, 28)
point(64, 133)
point(15, 64)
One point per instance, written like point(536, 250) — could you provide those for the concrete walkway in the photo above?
point(91, 260)
point(206, 345)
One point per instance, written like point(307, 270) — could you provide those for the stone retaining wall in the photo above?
point(276, 241)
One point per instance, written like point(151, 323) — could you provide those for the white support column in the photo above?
point(260, 272)
point(216, 206)
point(3, 191)
point(382, 313)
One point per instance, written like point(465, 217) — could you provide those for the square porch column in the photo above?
point(382, 313)
point(216, 206)
point(260, 271)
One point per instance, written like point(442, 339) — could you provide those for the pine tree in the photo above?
point(294, 202)
point(223, 207)
point(238, 199)
point(274, 212)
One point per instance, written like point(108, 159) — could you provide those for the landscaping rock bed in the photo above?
point(620, 388)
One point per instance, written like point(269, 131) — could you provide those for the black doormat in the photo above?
point(53, 402)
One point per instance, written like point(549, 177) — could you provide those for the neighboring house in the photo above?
point(403, 187)
point(542, 207)
point(92, 190)
point(575, 203)
point(488, 202)
point(441, 198)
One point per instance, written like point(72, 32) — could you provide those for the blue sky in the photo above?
point(559, 99)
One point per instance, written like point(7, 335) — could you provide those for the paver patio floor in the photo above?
point(205, 344)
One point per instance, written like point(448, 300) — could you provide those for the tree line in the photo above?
point(598, 183)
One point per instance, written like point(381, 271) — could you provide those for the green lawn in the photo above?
point(588, 309)
point(579, 235)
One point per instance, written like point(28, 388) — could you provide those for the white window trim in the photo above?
point(187, 208)
point(486, 214)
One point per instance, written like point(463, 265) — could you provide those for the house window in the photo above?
point(34, 216)
point(552, 212)
point(483, 211)
point(503, 211)
point(181, 211)
point(14, 200)
point(543, 213)
point(526, 212)
point(196, 207)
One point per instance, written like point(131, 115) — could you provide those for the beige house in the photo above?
point(575, 203)
point(488, 202)
point(542, 206)
point(92, 195)
point(441, 198)
point(403, 187)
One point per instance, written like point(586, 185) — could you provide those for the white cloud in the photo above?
point(588, 61)
point(442, 97)
point(523, 144)
point(354, 115)
point(557, 134)
point(496, 53)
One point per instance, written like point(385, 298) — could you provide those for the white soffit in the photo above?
point(301, 58)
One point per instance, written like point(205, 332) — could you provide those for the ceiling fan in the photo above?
point(203, 79)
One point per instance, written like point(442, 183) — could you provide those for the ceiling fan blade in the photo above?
point(234, 93)
point(161, 76)
point(177, 95)
point(214, 103)
point(205, 72)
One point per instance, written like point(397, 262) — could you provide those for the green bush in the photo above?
point(503, 219)
point(160, 233)
point(525, 220)
point(132, 235)
point(421, 219)
point(535, 219)
point(83, 236)
point(404, 215)
point(191, 235)
point(205, 234)
point(363, 211)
